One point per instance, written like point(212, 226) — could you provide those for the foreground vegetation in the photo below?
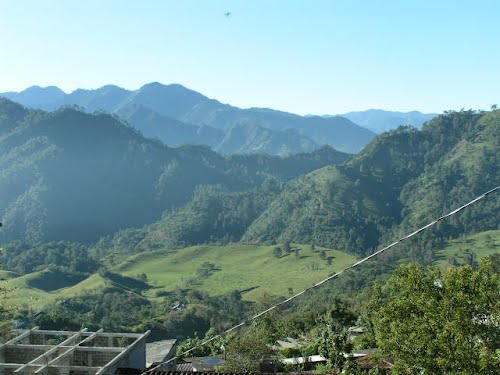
point(422, 320)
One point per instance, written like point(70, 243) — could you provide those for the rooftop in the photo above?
point(159, 351)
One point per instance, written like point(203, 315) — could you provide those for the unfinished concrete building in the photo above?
point(63, 353)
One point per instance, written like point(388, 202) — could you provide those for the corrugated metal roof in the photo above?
point(183, 367)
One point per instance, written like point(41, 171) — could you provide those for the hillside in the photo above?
point(251, 269)
point(70, 175)
point(418, 175)
point(177, 115)
point(468, 249)
point(401, 181)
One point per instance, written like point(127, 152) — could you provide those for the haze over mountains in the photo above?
point(177, 115)
point(379, 121)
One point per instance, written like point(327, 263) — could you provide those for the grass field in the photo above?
point(481, 244)
point(7, 275)
point(25, 291)
point(250, 268)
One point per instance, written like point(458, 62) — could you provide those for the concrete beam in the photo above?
point(50, 351)
point(70, 350)
point(122, 354)
point(20, 337)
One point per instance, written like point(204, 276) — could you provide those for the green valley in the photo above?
point(252, 270)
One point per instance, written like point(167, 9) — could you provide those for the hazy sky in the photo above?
point(300, 56)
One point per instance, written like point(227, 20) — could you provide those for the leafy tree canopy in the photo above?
point(439, 322)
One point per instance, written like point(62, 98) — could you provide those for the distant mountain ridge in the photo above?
point(177, 115)
point(380, 121)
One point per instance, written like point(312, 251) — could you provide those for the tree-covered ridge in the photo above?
point(351, 206)
point(377, 196)
point(70, 175)
point(244, 138)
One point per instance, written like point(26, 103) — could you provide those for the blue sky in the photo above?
point(299, 56)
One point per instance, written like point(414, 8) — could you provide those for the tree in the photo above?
point(334, 343)
point(439, 323)
point(210, 349)
point(206, 269)
point(246, 352)
point(286, 247)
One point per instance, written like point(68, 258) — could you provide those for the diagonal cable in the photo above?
point(434, 222)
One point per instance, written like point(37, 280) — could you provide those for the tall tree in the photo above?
point(439, 322)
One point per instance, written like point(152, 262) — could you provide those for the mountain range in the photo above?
point(177, 115)
point(79, 176)
point(402, 180)
point(379, 121)
point(74, 175)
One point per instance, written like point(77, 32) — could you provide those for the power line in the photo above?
point(434, 222)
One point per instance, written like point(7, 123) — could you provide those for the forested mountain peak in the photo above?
point(355, 205)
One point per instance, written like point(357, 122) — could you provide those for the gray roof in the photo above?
point(159, 351)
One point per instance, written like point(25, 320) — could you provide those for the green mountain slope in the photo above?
point(401, 181)
point(252, 269)
point(70, 175)
point(216, 214)
point(407, 173)
point(251, 138)
point(171, 132)
point(338, 132)
point(468, 249)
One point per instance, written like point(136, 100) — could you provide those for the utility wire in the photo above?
point(203, 343)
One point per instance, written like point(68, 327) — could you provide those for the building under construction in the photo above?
point(37, 351)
